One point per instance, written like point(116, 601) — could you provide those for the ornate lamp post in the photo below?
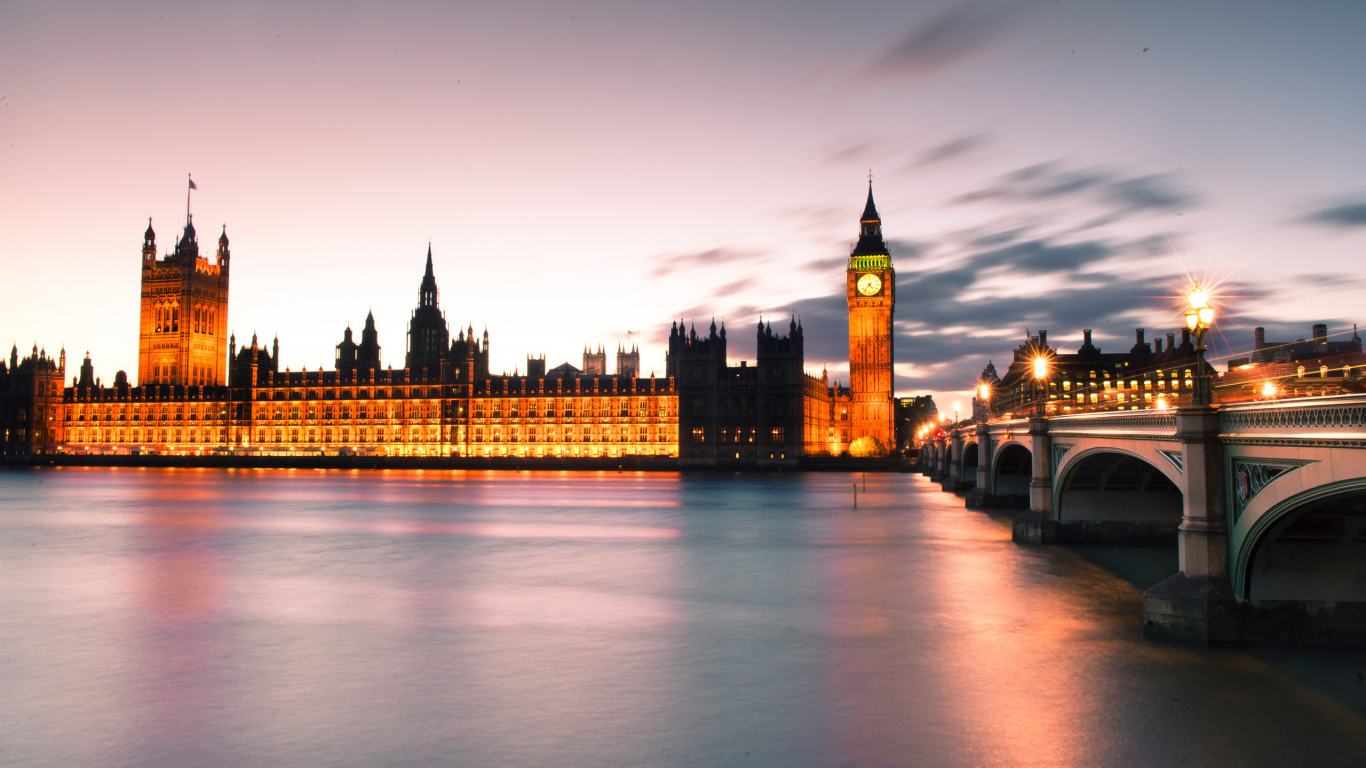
point(1040, 384)
point(984, 397)
point(1199, 318)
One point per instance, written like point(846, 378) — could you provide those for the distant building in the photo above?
point(1090, 380)
point(31, 402)
point(987, 383)
point(563, 371)
point(911, 414)
point(1297, 368)
point(1316, 349)
point(594, 363)
point(628, 362)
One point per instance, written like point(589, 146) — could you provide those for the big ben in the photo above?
point(871, 293)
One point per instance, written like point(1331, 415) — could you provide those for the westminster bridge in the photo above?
point(1266, 502)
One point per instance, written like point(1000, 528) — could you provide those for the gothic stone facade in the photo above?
point(769, 414)
point(31, 415)
point(198, 393)
point(870, 289)
point(182, 333)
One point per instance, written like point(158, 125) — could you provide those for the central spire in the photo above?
point(870, 209)
point(428, 297)
point(870, 241)
point(428, 335)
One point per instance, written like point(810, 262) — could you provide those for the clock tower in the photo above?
point(871, 292)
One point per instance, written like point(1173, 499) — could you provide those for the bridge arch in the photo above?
point(1012, 468)
point(971, 457)
point(1118, 496)
point(1308, 546)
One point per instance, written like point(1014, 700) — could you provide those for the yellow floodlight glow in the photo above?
point(1199, 298)
point(984, 392)
point(1161, 403)
point(1269, 389)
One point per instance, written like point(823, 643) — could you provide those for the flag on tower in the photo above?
point(192, 185)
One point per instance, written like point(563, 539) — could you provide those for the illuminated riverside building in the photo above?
point(198, 393)
point(1300, 368)
point(444, 402)
point(1090, 380)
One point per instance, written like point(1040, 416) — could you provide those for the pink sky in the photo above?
point(584, 171)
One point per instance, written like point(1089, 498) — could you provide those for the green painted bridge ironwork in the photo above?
point(1266, 500)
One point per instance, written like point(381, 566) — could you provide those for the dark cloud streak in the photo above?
point(946, 39)
point(1340, 216)
point(950, 150)
point(707, 258)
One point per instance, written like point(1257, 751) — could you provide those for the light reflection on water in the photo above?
point(196, 617)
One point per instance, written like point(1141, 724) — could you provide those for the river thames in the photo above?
point(328, 618)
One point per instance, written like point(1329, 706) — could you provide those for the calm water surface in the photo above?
point(309, 618)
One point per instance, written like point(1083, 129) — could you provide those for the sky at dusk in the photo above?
point(582, 170)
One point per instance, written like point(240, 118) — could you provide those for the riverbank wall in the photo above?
point(548, 463)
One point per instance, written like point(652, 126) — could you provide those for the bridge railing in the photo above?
point(1336, 419)
point(1008, 428)
point(1116, 424)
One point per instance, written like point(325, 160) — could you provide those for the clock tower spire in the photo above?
point(871, 295)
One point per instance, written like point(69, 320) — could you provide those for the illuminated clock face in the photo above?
point(869, 285)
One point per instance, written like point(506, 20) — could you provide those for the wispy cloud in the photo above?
point(823, 265)
point(730, 289)
point(669, 263)
point(1119, 194)
point(857, 152)
point(1343, 215)
point(946, 39)
point(949, 150)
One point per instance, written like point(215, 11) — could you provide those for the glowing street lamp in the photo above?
point(1040, 383)
point(1269, 390)
point(982, 406)
point(1199, 318)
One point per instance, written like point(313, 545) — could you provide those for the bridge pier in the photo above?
point(937, 465)
point(954, 477)
point(977, 496)
point(1037, 524)
point(1197, 604)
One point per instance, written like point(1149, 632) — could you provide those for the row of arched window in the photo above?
point(168, 318)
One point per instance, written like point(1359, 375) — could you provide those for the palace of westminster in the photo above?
point(199, 392)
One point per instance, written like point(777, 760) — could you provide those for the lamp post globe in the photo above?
point(1199, 319)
